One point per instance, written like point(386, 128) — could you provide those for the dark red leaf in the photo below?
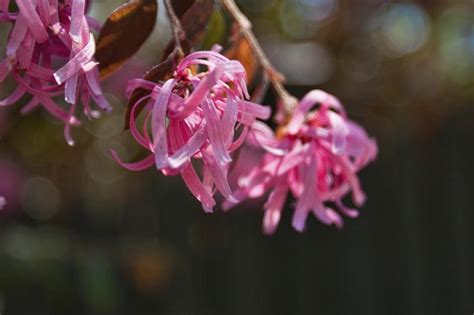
point(181, 6)
point(124, 32)
point(161, 71)
point(194, 16)
point(195, 19)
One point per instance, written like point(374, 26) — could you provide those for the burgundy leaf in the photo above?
point(195, 20)
point(158, 72)
point(124, 32)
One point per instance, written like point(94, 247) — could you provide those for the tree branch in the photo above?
point(275, 77)
point(176, 28)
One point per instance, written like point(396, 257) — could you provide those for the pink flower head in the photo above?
point(200, 115)
point(316, 157)
point(50, 53)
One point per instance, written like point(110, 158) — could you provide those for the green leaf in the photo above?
point(216, 30)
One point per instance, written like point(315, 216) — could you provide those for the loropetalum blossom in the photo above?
point(315, 157)
point(49, 54)
point(200, 114)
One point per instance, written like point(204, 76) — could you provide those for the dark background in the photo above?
point(82, 236)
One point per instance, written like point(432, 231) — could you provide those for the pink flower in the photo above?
point(195, 115)
point(50, 53)
point(316, 157)
point(3, 202)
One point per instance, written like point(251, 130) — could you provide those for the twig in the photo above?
point(261, 89)
point(176, 28)
point(275, 77)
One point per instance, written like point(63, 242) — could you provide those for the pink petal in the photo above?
point(274, 207)
point(350, 212)
point(76, 63)
point(339, 132)
point(55, 26)
point(4, 69)
point(92, 78)
point(189, 149)
point(137, 166)
point(205, 86)
point(254, 109)
point(215, 133)
point(40, 72)
point(195, 186)
point(67, 125)
point(144, 142)
point(30, 106)
point(14, 97)
point(33, 20)
point(309, 100)
point(44, 11)
point(229, 118)
point(25, 53)
point(158, 125)
point(335, 218)
point(77, 18)
point(70, 89)
point(220, 177)
point(17, 35)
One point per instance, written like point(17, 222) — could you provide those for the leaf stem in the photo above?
point(176, 28)
point(276, 78)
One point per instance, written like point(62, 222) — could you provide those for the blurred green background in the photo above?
point(79, 235)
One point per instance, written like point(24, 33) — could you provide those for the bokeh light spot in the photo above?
point(3, 202)
point(355, 62)
point(302, 63)
point(404, 29)
point(99, 164)
point(40, 198)
point(456, 43)
point(316, 10)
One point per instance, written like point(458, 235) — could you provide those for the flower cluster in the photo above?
point(193, 122)
point(50, 53)
point(199, 114)
point(315, 156)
